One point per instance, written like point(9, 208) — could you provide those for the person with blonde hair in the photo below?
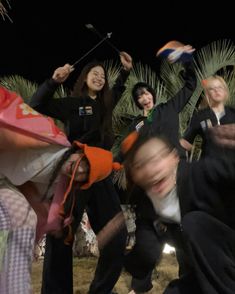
point(215, 113)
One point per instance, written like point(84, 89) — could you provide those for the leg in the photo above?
point(57, 277)
point(212, 252)
point(185, 285)
point(103, 205)
point(18, 218)
point(142, 285)
point(144, 256)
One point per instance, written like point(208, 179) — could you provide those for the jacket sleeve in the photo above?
point(182, 97)
point(193, 129)
point(43, 101)
point(206, 184)
point(119, 86)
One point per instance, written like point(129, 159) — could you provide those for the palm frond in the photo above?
point(215, 56)
point(20, 85)
point(170, 75)
point(61, 92)
point(4, 10)
point(26, 88)
point(113, 69)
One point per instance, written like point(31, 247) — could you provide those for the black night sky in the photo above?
point(48, 34)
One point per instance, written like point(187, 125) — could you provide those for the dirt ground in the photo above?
point(84, 270)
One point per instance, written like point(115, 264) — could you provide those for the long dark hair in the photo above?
point(57, 169)
point(104, 96)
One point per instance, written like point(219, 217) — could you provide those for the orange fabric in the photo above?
point(170, 45)
point(100, 161)
point(128, 142)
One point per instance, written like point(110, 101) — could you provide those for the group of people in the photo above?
point(185, 204)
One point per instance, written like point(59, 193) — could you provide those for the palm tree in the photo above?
point(3, 10)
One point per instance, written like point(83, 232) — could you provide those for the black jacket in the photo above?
point(70, 110)
point(200, 124)
point(164, 119)
point(208, 185)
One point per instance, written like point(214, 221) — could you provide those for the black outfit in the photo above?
point(164, 118)
point(84, 119)
point(150, 229)
point(206, 195)
point(206, 234)
point(200, 124)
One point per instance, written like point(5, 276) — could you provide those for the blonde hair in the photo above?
point(206, 85)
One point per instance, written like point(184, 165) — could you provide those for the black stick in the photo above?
point(94, 30)
point(92, 49)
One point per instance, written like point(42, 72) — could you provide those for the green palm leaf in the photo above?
point(26, 88)
point(20, 85)
point(4, 10)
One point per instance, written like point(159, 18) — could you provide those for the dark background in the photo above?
point(48, 34)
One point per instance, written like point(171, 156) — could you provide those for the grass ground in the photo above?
point(84, 270)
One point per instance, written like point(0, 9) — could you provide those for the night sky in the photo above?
point(48, 34)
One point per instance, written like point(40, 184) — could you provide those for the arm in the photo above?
point(42, 99)
point(119, 86)
point(182, 97)
point(192, 131)
point(205, 183)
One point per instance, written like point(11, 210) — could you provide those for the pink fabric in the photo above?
point(21, 127)
point(17, 116)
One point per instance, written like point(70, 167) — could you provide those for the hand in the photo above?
point(61, 73)
point(185, 144)
point(224, 135)
point(175, 55)
point(126, 61)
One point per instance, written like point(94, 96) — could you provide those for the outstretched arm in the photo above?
point(183, 96)
point(119, 86)
point(42, 99)
point(46, 91)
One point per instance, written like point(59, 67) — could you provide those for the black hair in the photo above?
point(138, 90)
point(143, 137)
point(57, 170)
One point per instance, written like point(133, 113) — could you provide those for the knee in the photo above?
point(146, 257)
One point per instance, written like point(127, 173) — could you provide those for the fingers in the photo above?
point(62, 73)
point(224, 135)
point(126, 60)
point(126, 56)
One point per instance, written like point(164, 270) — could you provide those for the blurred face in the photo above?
point(146, 100)
point(154, 167)
point(216, 92)
point(95, 80)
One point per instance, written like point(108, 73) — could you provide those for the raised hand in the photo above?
point(61, 73)
point(126, 61)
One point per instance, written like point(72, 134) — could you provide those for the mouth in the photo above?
point(97, 84)
point(158, 186)
point(147, 105)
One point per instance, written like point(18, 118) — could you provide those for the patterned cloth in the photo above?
point(19, 220)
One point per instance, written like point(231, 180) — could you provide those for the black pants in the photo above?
point(147, 251)
point(102, 204)
point(211, 247)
